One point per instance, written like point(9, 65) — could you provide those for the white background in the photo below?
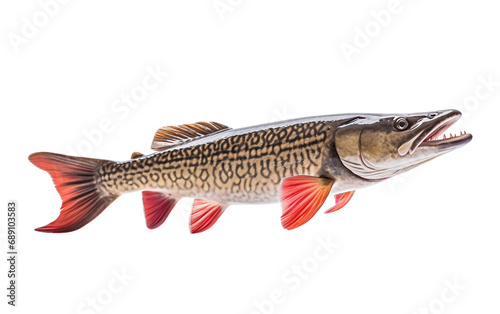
point(400, 241)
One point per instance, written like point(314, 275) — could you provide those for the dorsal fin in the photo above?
point(169, 136)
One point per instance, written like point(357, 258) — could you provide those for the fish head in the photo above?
point(376, 147)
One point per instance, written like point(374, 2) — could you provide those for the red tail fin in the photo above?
point(75, 180)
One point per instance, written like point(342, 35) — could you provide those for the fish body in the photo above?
point(299, 162)
point(238, 166)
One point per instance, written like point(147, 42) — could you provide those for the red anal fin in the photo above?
point(204, 215)
point(301, 198)
point(340, 201)
point(157, 206)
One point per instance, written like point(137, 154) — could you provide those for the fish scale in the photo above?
point(298, 162)
point(233, 169)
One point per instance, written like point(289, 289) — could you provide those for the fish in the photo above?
point(298, 162)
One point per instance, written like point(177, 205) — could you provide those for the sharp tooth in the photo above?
point(444, 136)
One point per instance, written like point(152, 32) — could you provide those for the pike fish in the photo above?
point(299, 162)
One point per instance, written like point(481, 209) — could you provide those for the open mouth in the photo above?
point(433, 137)
point(430, 137)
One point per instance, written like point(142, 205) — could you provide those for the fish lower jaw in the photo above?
point(437, 138)
point(452, 139)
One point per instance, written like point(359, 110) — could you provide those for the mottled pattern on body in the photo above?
point(239, 168)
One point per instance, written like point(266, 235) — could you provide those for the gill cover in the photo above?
point(353, 140)
point(362, 150)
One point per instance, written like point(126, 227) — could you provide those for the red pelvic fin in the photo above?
point(340, 201)
point(75, 180)
point(301, 198)
point(205, 214)
point(157, 206)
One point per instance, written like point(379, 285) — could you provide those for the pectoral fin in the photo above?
point(301, 197)
point(340, 201)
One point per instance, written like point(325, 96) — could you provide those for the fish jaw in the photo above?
point(429, 140)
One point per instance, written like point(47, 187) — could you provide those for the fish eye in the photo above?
point(401, 124)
